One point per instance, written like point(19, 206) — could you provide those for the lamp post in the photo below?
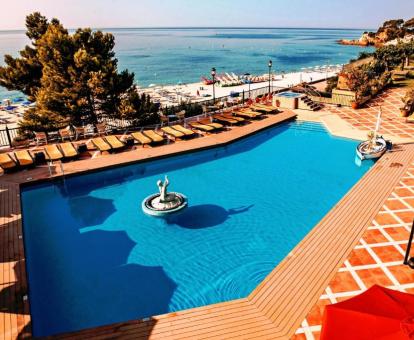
point(409, 261)
point(247, 75)
point(270, 68)
point(213, 75)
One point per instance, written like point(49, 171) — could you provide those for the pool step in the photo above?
point(307, 126)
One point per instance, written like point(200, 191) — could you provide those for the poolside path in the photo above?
point(355, 124)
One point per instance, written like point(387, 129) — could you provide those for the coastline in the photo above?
point(174, 94)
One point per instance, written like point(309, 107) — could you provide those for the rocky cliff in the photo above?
point(390, 30)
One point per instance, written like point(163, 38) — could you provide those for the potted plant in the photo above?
point(408, 101)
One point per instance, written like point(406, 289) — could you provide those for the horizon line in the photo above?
point(203, 27)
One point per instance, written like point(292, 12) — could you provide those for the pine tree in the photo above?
point(73, 78)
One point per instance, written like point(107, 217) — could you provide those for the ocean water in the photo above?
point(170, 56)
point(93, 257)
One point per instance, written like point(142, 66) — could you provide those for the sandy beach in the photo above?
point(196, 92)
point(170, 95)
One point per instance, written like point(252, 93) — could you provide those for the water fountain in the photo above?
point(164, 203)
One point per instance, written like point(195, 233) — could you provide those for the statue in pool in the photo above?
point(162, 187)
point(164, 203)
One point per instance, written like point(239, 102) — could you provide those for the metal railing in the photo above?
point(7, 135)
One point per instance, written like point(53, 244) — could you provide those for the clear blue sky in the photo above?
point(259, 13)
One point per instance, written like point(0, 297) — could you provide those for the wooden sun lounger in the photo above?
point(217, 126)
point(171, 132)
point(183, 130)
point(230, 115)
point(7, 163)
point(244, 114)
point(53, 153)
point(154, 136)
point(260, 108)
point(24, 158)
point(68, 150)
point(101, 144)
point(202, 127)
point(114, 142)
point(225, 120)
point(141, 138)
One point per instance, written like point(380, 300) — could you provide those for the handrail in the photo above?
point(409, 261)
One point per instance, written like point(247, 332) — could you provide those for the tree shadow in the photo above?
point(90, 211)
point(204, 216)
point(86, 281)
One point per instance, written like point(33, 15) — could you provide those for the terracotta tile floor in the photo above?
point(376, 259)
point(365, 118)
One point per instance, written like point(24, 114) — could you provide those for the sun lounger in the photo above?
point(24, 158)
point(154, 136)
point(247, 114)
point(263, 108)
point(171, 132)
point(68, 150)
point(114, 142)
point(202, 127)
point(65, 134)
point(182, 129)
point(53, 153)
point(40, 137)
point(141, 138)
point(225, 120)
point(229, 115)
point(215, 125)
point(101, 129)
point(101, 144)
point(7, 163)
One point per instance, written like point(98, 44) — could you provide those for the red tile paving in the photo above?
point(365, 118)
point(376, 259)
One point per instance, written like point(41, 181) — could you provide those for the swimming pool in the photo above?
point(289, 94)
point(94, 258)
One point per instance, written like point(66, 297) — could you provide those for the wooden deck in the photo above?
point(274, 310)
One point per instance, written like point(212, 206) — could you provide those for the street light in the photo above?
point(270, 68)
point(247, 75)
point(213, 75)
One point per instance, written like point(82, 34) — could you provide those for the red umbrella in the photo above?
point(378, 313)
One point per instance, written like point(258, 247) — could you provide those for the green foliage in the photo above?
point(73, 78)
point(139, 109)
point(331, 84)
point(191, 110)
point(389, 56)
point(408, 101)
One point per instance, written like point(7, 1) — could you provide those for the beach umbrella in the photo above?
point(377, 314)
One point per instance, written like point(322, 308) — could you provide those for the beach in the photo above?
point(171, 95)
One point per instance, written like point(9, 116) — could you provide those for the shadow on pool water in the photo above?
point(205, 216)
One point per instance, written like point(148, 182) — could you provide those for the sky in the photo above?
point(209, 13)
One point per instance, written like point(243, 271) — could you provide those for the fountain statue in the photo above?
point(164, 203)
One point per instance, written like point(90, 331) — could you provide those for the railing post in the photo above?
point(407, 260)
point(8, 136)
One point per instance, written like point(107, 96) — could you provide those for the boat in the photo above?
point(375, 146)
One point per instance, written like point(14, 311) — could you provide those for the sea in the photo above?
point(168, 56)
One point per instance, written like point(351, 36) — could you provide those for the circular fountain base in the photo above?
point(154, 206)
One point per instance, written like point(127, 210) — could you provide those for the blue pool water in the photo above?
point(289, 94)
point(94, 258)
